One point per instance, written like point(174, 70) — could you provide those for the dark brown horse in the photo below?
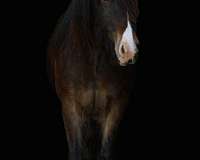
point(89, 54)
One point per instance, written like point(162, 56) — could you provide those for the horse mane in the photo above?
point(76, 22)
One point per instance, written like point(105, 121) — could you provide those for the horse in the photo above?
point(89, 57)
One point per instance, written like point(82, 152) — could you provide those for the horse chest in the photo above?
point(98, 93)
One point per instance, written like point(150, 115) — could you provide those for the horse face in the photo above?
point(117, 22)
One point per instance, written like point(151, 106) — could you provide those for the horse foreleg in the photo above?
point(109, 126)
point(73, 132)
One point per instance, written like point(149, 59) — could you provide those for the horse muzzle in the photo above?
point(126, 47)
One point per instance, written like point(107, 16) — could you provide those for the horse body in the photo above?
point(93, 100)
point(92, 88)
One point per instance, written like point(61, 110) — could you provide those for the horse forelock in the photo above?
point(132, 8)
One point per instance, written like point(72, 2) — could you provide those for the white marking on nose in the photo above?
point(127, 41)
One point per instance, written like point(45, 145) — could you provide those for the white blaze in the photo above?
point(128, 41)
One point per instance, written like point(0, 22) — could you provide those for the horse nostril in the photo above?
point(123, 49)
point(130, 61)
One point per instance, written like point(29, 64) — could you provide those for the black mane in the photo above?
point(77, 22)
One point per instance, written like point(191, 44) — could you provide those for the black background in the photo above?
point(34, 122)
point(33, 117)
